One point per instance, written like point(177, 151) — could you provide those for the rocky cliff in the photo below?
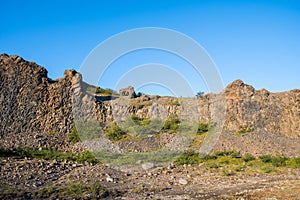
point(33, 104)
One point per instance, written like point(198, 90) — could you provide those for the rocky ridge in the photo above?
point(42, 110)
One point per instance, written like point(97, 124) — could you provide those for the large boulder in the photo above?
point(128, 92)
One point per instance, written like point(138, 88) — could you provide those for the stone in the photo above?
point(182, 181)
point(127, 92)
point(147, 166)
point(109, 179)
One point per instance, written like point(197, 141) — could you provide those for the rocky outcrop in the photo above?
point(261, 110)
point(127, 92)
point(33, 104)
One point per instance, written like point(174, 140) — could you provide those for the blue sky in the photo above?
point(256, 41)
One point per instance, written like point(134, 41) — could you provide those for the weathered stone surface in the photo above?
point(128, 92)
point(263, 111)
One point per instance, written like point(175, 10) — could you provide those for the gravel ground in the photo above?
point(20, 178)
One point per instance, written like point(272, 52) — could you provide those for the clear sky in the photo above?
point(257, 41)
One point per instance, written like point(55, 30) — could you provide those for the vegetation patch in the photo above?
point(74, 190)
point(277, 161)
point(245, 130)
point(202, 127)
point(188, 157)
point(232, 162)
point(114, 132)
point(74, 136)
point(101, 91)
point(172, 123)
point(248, 157)
point(140, 104)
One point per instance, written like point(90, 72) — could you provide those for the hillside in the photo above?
point(32, 104)
point(253, 137)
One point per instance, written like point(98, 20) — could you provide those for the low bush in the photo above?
point(277, 161)
point(172, 123)
point(74, 136)
point(245, 130)
point(202, 127)
point(74, 190)
point(101, 91)
point(266, 158)
point(86, 156)
point(188, 157)
point(114, 132)
point(228, 153)
point(248, 157)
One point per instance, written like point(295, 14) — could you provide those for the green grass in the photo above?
point(74, 190)
point(74, 136)
point(158, 157)
point(173, 103)
point(233, 162)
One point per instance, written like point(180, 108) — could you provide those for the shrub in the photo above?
point(102, 91)
point(202, 127)
point(188, 157)
point(140, 121)
point(114, 132)
point(248, 157)
point(245, 130)
point(87, 156)
point(266, 158)
point(231, 153)
point(135, 119)
point(172, 123)
point(199, 94)
point(74, 136)
point(277, 161)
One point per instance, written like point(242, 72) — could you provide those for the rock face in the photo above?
point(261, 110)
point(31, 103)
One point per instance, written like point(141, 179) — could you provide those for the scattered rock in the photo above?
point(147, 166)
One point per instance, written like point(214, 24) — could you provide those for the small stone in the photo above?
point(148, 165)
point(109, 179)
point(182, 181)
